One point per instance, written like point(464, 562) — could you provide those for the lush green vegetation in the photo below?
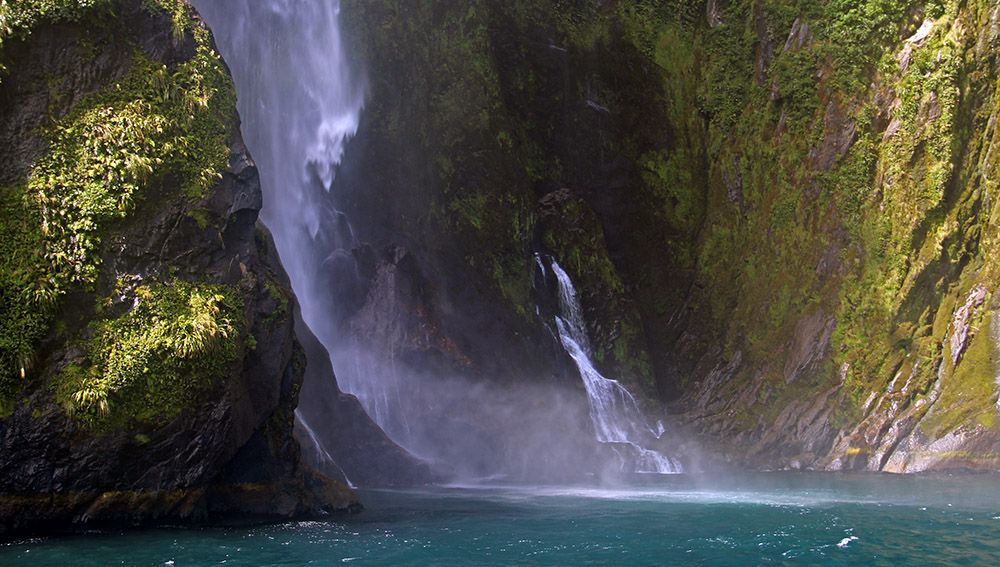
point(19, 17)
point(173, 342)
point(902, 208)
point(155, 129)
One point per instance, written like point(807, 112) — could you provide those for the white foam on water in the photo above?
point(847, 541)
point(775, 497)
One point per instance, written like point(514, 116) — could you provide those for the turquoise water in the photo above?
point(759, 519)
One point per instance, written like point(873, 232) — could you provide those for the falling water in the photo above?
point(613, 410)
point(325, 461)
point(300, 100)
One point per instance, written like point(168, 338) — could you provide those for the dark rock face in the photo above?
point(778, 221)
point(230, 454)
point(512, 141)
point(353, 447)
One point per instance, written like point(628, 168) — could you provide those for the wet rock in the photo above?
point(968, 448)
point(713, 13)
point(351, 445)
point(810, 345)
point(960, 322)
point(892, 129)
point(798, 36)
point(765, 46)
point(806, 398)
point(733, 180)
point(930, 110)
point(839, 133)
point(922, 33)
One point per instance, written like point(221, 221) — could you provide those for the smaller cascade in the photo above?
point(614, 412)
point(322, 458)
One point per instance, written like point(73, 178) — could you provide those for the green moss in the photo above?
point(19, 17)
point(729, 67)
point(851, 182)
point(630, 356)
point(733, 179)
point(969, 391)
point(472, 209)
point(795, 75)
point(177, 340)
point(576, 239)
point(670, 179)
point(893, 193)
point(509, 274)
point(155, 127)
point(281, 295)
point(22, 321)
point(859, 32)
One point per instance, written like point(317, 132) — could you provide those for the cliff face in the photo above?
point(150, 369)
point(780, 214)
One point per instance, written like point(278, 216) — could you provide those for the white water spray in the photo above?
point(613, 409)
point(300, 101)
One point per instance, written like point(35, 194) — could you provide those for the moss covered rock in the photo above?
point(149, 365)
point(781, 206)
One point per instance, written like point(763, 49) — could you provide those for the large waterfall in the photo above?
point(300, 99)
point(614, 411)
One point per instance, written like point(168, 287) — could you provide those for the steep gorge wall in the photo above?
point(780, 213)
point(149, 370)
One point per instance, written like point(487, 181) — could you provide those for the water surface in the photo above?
point(757, 519)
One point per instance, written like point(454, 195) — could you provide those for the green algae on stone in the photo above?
point(19, 17)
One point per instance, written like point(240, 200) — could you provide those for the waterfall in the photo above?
point(323, 458)
point(614, 411)
point(300, 99)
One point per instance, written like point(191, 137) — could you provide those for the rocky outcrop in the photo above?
point(164, 387)
point(348, 443)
